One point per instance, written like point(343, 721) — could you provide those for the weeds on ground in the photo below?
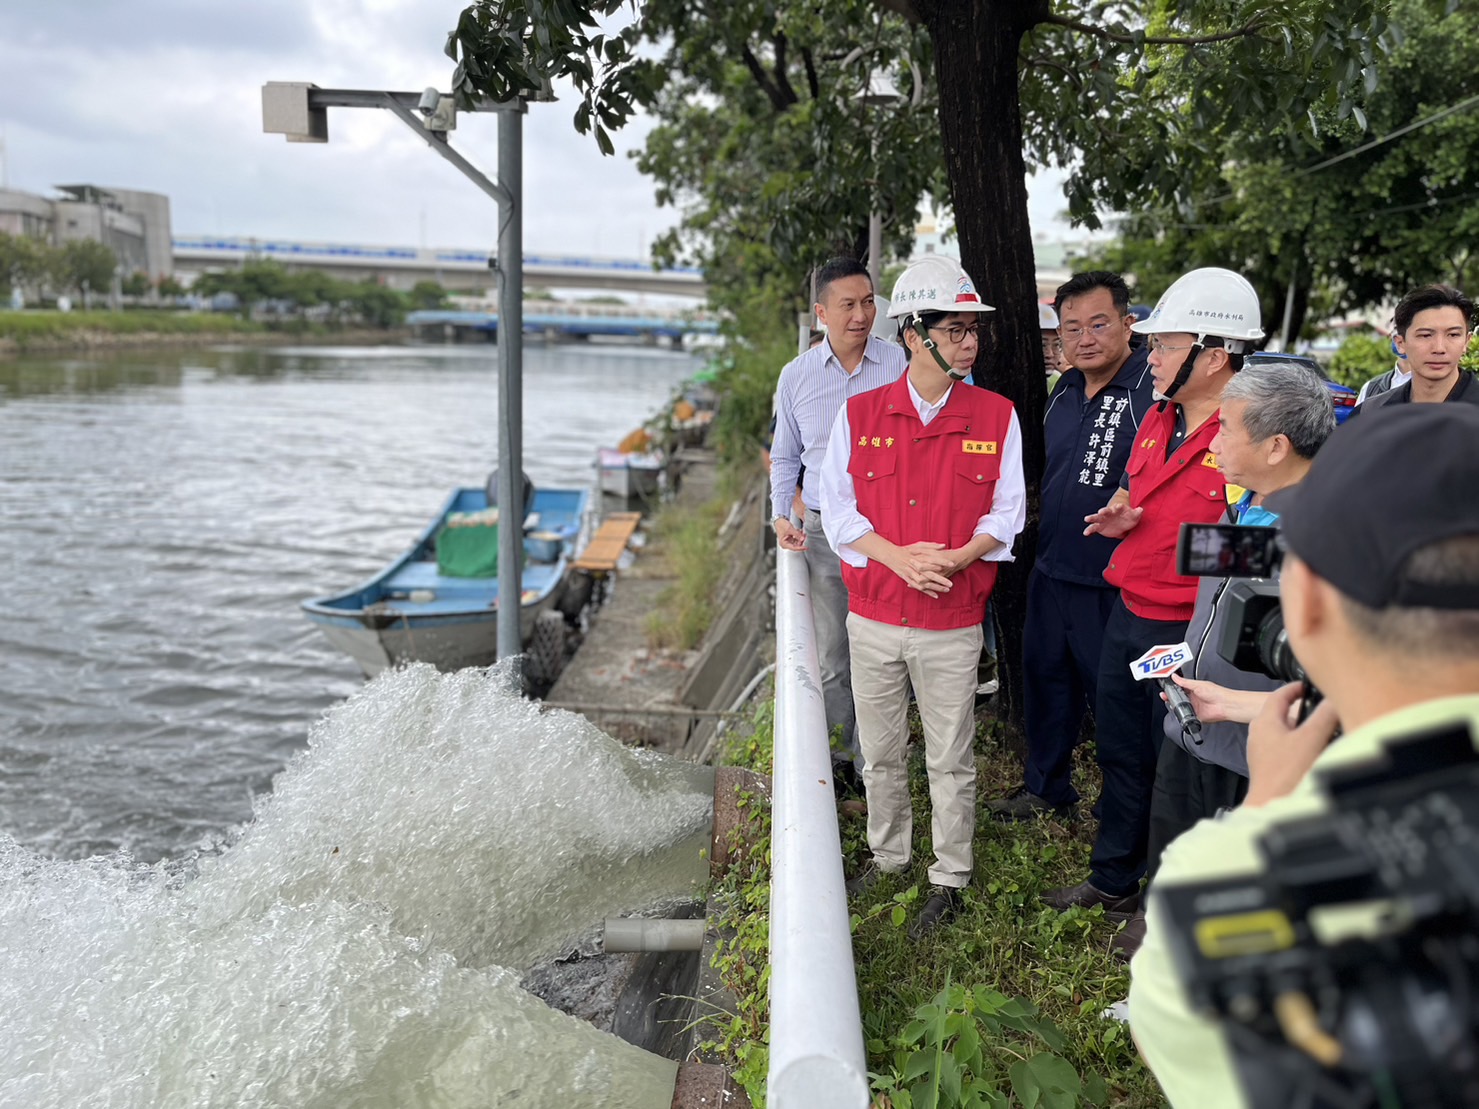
point(1024, 1022)
point(999, 1008)
point(741, 1040)
point(686, 539)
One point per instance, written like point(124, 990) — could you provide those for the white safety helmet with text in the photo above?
point(1210, 303)
point(934, 283)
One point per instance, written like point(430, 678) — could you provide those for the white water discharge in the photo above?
point(360, 943)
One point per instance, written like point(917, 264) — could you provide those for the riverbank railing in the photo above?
point(817, 1060)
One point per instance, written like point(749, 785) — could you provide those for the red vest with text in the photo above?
point(924, 483)
point(1185, 488)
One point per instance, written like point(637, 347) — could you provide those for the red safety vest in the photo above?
point(918, 482)
point(1185, 488)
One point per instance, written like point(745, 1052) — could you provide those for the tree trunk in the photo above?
point(975, 45)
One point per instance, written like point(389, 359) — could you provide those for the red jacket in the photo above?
point(924, 483)
point(1185, 488)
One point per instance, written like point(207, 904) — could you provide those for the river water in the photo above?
point(162, 515)
point(182, 921)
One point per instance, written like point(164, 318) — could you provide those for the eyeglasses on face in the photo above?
point(956, 332)
point(1159, 347)
point(1074, 334)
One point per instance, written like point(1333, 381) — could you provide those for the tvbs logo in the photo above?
point(1160, 662)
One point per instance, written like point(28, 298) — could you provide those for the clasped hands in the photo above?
point(926, 567)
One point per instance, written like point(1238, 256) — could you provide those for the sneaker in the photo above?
point(1119, 1011)
point(1087, 895)
point(940, 907)
point(988, 687)
point(1022, 804)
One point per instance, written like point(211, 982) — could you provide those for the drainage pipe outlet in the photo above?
point(630, 933)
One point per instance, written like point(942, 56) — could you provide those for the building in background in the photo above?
point(133, 224)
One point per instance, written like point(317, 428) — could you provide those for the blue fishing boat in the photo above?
point(413, 610)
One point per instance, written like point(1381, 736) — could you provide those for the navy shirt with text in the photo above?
point(1088, 441)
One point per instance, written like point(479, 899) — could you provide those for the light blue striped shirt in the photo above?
point(812, 389)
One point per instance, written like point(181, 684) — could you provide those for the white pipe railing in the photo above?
point(817, 1059)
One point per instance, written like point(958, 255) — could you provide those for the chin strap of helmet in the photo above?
point(916, 322)
point(1183, 375)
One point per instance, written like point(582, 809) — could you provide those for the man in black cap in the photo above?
point(1380, 590)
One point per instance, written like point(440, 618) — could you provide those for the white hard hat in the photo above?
point(1208, 301)
point(1047, 319)
point(935, 283)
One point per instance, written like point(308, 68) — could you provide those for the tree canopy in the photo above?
point(762, 142)
point(1377, 200)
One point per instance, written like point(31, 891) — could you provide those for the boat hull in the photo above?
point(410, 612)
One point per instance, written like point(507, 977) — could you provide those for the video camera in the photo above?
point(1346, 973)
point(1254, 638)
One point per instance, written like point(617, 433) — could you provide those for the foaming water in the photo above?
point(496, 831)
point(355, 945)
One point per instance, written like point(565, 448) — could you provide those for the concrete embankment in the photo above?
point(678, 701)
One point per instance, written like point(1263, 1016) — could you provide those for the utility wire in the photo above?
point(1398, 133)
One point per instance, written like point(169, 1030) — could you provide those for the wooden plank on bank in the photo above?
point(610, 540)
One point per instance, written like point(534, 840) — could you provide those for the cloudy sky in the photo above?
point(164, 95)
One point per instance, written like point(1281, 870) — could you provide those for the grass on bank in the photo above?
point(999, 1008)
point(685, 540)
point(37, 324)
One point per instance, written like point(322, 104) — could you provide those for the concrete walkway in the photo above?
point(615, 667)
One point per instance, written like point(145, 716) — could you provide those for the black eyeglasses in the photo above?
point(1074, 334)
point(956, 332)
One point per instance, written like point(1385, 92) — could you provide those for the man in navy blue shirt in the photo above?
point(1090, 425)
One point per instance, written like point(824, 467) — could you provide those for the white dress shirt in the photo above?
point(811, 390)
point(843, 523)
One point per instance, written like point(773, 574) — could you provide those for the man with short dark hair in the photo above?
point(923, 496)
point(1198, 333)
point(1090, 424)
point(811, 391)
point(1433, 326)
point(1380, 590)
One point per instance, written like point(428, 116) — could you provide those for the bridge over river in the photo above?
point(457, 269)
point(561, 319)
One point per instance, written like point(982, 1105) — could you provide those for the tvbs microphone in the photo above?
point(1158, 664)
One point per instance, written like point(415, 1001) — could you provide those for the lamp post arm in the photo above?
point(439, 143)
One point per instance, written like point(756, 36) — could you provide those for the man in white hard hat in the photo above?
point(811, 390)
point(922, 495)
point(1198, 333)
point(1052, 349)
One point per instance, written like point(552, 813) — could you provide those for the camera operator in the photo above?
point(1380, 592)
point(1275, 415)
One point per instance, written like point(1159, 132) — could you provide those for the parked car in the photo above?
point(1342, 396)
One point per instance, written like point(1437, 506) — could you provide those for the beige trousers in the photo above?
point(941, 665)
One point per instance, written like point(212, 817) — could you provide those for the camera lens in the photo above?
point(1274, 650)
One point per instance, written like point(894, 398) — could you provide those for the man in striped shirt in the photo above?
point(813, 388)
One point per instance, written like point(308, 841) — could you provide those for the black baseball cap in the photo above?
point(1383, 487)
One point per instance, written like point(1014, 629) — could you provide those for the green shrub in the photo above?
point(1360, 358)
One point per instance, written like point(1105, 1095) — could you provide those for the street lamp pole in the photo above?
point(880, 93)
point(510, 262)
point(300, 111)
